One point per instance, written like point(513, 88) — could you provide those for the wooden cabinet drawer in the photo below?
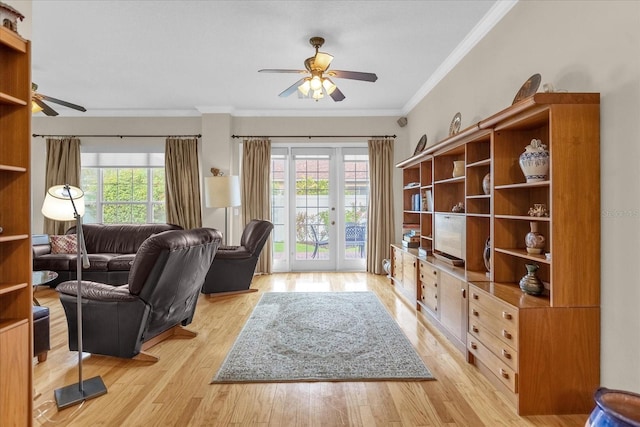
point(427, 272)
point(494, 306)
point(429, 295)
point(505, 329)
point(504, 373)
point(507, 354)
point(428, 275)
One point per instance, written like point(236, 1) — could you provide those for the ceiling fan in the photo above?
point(37, 102)
point(317, 83)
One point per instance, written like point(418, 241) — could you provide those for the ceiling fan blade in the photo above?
point(337, 95)
point(322, 61)
point(353, 75)
point(288, 91)
point(65, 103)
point(276, 70)
point(45, 108)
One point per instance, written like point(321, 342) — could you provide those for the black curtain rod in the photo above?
point(35, 135)
point(313, 136)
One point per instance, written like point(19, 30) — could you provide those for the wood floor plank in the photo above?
point(176, 391)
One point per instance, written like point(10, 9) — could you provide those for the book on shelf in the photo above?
point(428, 201)
point(424, 251)
point(410, 227)
point(416, 202)
point(406, 244)
point(411, 237)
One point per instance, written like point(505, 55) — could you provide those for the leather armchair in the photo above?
point(233, 267)
point(161, 295)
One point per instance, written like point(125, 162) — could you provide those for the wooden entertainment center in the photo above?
point(542, 352)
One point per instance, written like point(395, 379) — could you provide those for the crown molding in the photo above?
point(488, 21)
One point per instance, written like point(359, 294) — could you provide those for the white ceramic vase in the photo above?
point(534, 162)
point(534, 241)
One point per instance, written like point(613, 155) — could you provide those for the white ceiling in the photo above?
point(162, 58)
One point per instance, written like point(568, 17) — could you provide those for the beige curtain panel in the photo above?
point(63, 167)
point(380, 229)
point(256, 195)
point(182, 182)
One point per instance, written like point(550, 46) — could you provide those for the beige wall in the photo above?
point(217, 148)
point(60, 125)
point(580, 46)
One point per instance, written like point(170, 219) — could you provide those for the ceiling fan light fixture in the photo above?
point(316, 83)
point(328, 86)
point(35, 108)
point(318, 94)
point(305, 87)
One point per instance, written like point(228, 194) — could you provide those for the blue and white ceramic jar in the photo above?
point(615, 408)
point(534, 162)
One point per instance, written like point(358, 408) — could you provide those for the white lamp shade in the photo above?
point(222, 191)
point(57, 203)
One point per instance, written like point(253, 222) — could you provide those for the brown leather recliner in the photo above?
point(164, 284)
point(233, 267)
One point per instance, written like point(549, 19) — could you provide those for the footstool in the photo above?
point(41, 344)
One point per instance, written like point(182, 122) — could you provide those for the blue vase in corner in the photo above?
point(615, 408)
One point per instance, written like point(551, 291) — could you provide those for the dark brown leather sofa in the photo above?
point(160, 297)
point(111, 249)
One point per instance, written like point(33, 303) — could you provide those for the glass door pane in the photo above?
point(279, 210)
point(314, 210)
point(354, 206)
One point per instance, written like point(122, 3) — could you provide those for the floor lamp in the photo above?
point(222, 192)
point(66, 203)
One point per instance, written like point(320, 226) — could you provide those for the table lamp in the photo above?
point(66, 203)
point(222, 192)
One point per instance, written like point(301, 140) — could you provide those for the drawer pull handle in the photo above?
point(506, 334)
point(506, 315)
point(506, 354)
point(474, 345)
point(464, 293)
point(435, 285)
point(504, 373)
point(475, 296)
point(474, 328)
point(475, 312)
point(435, 272)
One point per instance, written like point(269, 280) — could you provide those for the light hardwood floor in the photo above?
point(176, 392)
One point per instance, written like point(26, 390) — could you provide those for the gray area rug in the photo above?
point(321, 336)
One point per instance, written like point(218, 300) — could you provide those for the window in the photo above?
point(123, 188)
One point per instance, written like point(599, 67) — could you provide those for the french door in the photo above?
point(320, 199)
